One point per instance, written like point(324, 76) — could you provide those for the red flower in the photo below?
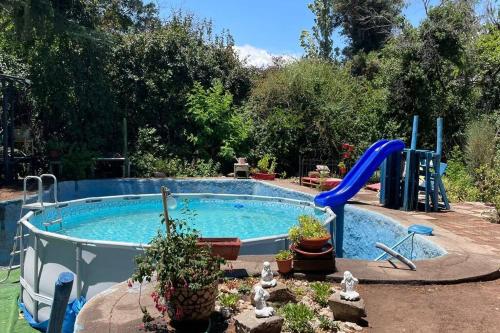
point(346, 155)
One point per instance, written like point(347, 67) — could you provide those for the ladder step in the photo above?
point(16, 252)
point(47, 224)
point(38, 205)
point(18, 237)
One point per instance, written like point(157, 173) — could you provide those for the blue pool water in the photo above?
point(138, 221)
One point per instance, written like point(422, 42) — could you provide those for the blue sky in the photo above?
point(262, 27)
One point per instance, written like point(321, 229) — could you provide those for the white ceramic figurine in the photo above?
point(349, 287)
point(266, 276)
point(260, 298)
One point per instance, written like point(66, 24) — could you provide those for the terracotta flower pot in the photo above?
point(313, 244)
point(186, 304)
point(264, 176)
point(284, 266)
point(227, 248)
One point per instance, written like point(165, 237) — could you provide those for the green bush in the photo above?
point(480, 145)
point(228, 300)
point(322, 291)
point(297, 318)
point(459, 184)
point(267, 164)
point(77, 163)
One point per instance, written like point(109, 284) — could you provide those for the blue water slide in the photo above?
point(357, 177)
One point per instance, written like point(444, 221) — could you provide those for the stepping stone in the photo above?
point(279, 293)
point(246, 322)
point(346, 310)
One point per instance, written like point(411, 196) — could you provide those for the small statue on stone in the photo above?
point(260, 298)
point(349, 287)
point(266, 276)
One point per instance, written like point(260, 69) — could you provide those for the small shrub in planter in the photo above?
point(228, 303)
point(284, 260)
point(186, 274)
point(310, 234)
point(265, 168)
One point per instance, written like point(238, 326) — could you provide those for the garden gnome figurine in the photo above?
point(349, 287)
point(261, 310)
point(266, 276)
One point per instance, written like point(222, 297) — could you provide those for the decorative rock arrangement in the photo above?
point(347, 305)
point(246, 322)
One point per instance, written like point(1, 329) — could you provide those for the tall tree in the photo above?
point(320, 44)
point(366, 23)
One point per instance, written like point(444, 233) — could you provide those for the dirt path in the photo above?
point(470, 307)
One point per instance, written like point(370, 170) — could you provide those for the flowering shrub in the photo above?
point(176, 262)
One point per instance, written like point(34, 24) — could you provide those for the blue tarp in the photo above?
point(72, 311)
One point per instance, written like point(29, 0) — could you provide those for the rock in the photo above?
point(348, 327)
point(279, 293)
point(246, 322)
point(326, 312)
point(346, 310)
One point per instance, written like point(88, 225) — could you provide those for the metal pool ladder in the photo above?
point(37, 207)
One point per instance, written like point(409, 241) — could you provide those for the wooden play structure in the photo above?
point(404, 175)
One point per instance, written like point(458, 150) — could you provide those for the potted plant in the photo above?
point(342, 168)
point(265, 168)
point(228, 304)
point(309, 234)
point(227, 248)
point(284, 261)
point(186, 274)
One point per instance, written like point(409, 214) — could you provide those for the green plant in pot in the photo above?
point(266, 168)
point(310, 234)
point(186, 275)
point(284, 260)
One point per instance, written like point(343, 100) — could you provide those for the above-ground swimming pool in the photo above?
point(106, 223)
point(137, 219)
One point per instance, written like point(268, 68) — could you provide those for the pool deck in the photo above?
point(472, 243)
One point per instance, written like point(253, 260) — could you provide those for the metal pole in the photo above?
point(125, 148)
point(21, 257)
point(414, 133)
point(61, 297)
point(164, 195)
point(78, 270)
point(339, 230)
point(439, 143)
point(35, 278)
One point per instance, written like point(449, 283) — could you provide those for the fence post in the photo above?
point(64, 284)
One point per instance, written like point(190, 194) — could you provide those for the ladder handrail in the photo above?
point(395, 245)
point(396, 255)
point(40, 188)
point(49, 175)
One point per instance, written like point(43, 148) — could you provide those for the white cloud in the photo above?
point(255, 57)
